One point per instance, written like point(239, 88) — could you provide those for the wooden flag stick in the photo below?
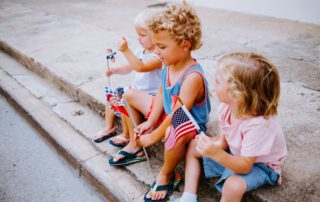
point(108, 76)
point(135, 125)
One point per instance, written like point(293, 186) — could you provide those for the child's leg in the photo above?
point(171, 159)
point(123, 138)
point(138, 101)
point(193, 168)
point(233, 189)
point(109, 121)
point(108, 117)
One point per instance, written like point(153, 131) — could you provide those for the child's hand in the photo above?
point(208, 147)
point(145, 127)
point(109, 72)
point(123, 45)
point(145, 140)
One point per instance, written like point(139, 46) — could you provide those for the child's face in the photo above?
point(221, 86)
point(144, 38)
point(168, 50)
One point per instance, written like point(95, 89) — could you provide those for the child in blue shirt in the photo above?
point(175, 32)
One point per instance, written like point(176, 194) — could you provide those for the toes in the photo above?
point(161, 195)
point(117, 157)
point(158, 195)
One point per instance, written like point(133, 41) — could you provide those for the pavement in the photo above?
point(31, 170)
point(60, 47)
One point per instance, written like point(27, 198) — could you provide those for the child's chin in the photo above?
point(164, 63)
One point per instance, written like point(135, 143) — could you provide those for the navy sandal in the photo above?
point(106, 135)
point(170, 187)
point(121, 145)
point(127, 159)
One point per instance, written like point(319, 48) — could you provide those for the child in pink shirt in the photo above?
point(251, 146)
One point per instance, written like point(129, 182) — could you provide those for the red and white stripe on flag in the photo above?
point(182, 124)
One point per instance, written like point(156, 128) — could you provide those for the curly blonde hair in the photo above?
point(253, 81)
point(182, 23)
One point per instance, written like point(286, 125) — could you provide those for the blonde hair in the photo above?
point(253, 81)
point(141, 20)
point(182, 23)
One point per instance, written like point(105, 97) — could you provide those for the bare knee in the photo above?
point(129, 94)
point(192, 149)
point(181, 142)
point(233, 189)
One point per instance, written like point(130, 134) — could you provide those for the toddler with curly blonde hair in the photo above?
point(176, 31)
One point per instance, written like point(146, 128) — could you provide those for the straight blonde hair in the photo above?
point(253, 81)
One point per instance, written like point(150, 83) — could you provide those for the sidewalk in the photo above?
point(65, 43)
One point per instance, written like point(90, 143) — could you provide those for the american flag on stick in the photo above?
point(116, 103)
point(118, 106)
point(182, 123)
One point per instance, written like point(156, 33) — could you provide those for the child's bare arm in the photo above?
point(124, 69)
point(192, 89)
point(188, 94)
point(215, 150)
point(135, 63)
point(157, 109)
point(155, 136)
point(223, 142)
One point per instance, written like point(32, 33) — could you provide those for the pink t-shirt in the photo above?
point(254, 137)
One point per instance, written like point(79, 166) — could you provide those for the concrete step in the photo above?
point(42, 104)
point(73, 113)
point(67, 52)
point(69, 126)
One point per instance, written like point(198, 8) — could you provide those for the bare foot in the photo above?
point(104, 134)
point(129, 149)
point(162, 179)
point(119, 140)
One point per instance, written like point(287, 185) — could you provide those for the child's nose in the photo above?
point(157, 52)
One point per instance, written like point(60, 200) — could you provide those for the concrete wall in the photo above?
point(300, 10)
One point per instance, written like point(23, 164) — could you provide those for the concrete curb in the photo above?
point(74, 148)
point(59, 82)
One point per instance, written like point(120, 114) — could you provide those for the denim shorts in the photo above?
point(260, 174)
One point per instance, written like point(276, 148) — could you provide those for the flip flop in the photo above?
point(127, 159)
point(106, 135)
point(170, 187)
point(119, 137)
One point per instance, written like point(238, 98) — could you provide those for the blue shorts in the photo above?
point(260, 174)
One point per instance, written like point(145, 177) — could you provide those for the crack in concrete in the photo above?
point(316, 46)
point(91, 78)
point(80, 170)
point(212, 57)
point(310, 88)
point(297, 59)
point(91, 157)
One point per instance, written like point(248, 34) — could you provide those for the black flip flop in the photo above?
point(127, 159)
point(101, 139)
point(170, 187)
point(121, 145)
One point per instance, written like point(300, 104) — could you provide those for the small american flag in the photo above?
point(116, 103)
point(182, 123)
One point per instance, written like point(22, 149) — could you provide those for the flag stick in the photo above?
point(108, 70)
point(135, 125)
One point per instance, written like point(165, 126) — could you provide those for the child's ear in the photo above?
point(186, 45)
